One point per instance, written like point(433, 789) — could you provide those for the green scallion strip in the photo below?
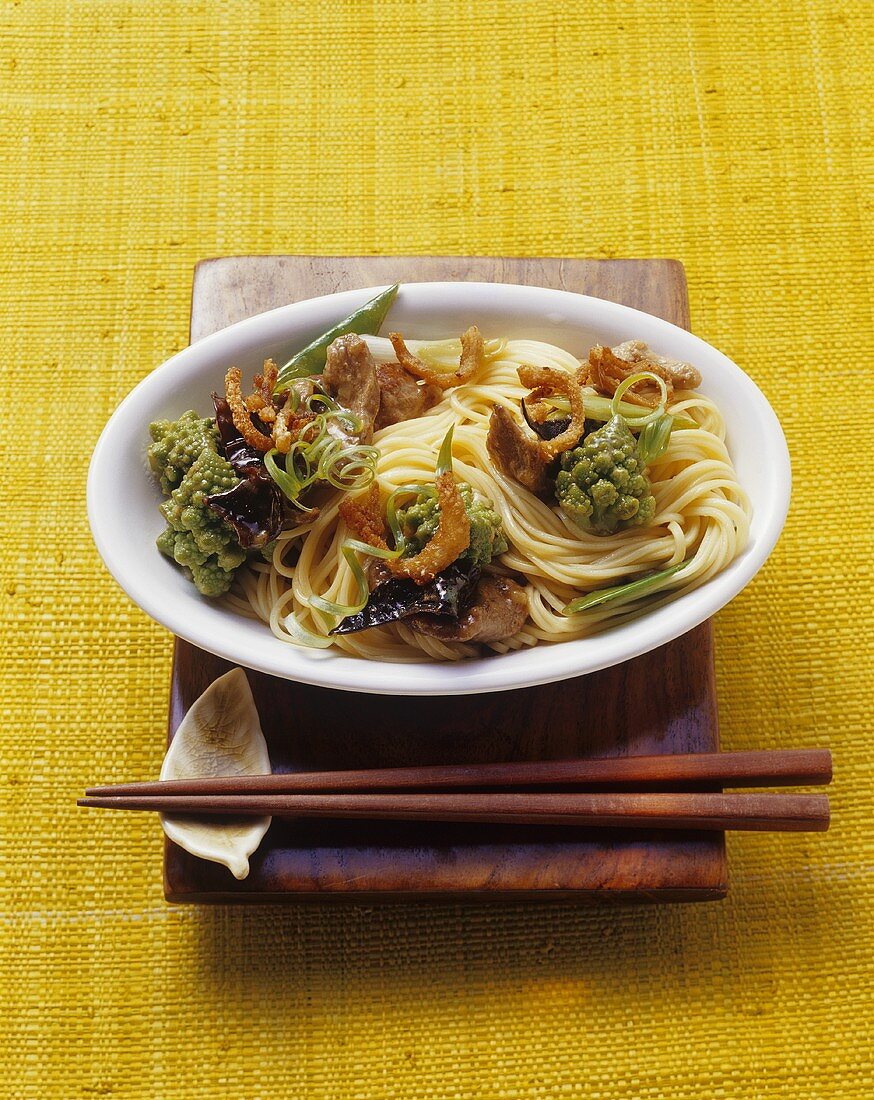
point(654, 439)
point(598, 408)
point(348, 467)
point(318, 456)
point(341, 610)
point(632, 380)
point(288, 483)
point(373, 551)
point(444, 458)
point(303, 637)
point(622, 591)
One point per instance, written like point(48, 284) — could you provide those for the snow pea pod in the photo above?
point(364, 321)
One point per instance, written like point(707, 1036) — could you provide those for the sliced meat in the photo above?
point(350, 377)
point(683, 375)
point(499, 611)
point(402, 397)
point(515, 453)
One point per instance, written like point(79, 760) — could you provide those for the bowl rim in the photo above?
point(497, 672)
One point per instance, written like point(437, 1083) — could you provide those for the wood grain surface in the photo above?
point(661, 702)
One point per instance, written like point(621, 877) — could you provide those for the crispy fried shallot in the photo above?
point(363, 516)
point(283, 432)
point(283, 417)
point(451, 538)
point(470, 363)
point(261, 398)
point(606, 372)
point(241, 415)
point(545, 381)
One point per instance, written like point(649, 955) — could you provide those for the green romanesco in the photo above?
point(601, 484)
point(418, 522)
point(177, 443)
point(196, 537)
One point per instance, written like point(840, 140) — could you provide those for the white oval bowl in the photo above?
point(123, 497)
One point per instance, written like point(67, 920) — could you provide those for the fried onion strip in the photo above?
point(261, 398)
point(363, 516)
point(544, 381)
point(448, 542)
point(282, 436)
point(470, 363)
point(606, 371)
point(240, 414)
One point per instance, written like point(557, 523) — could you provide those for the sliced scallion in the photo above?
point(654, 439)
point(621, 591)
point(444, 457)
point(341, 610)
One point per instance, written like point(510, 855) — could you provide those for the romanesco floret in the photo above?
point(177, 443)
point(196, 537)
point(418, 522)
point(601, 485)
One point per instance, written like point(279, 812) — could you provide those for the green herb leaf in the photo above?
point(653, 440)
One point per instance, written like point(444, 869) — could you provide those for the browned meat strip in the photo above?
point(516, 453)
point(682, 375)
point(350, 377)
point(499, 611)
point(402, 397)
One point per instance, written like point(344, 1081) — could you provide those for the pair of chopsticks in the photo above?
point(485, 793)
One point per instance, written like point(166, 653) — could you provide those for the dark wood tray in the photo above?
point(662, 702)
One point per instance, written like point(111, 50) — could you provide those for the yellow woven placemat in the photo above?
point(138, 138)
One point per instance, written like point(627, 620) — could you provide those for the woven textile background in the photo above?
point(138, 138)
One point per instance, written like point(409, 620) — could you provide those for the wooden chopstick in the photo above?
point(772, 812)
point(785, 767)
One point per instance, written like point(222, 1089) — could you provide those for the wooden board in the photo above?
point(661, 702)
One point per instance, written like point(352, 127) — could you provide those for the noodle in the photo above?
point(702, 517)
